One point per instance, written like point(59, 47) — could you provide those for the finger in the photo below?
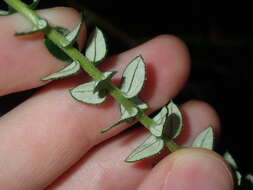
point(63, 129)
point(25, 60)
point(106, 161)
point(190, 169)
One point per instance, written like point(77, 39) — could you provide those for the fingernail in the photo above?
point(199, 171)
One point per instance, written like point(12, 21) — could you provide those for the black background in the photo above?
point(220, 41)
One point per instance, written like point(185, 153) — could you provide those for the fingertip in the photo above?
point(197, 116)
point(190, 169)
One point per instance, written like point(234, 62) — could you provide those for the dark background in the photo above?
point(220, 41)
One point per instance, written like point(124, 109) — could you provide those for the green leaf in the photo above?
point(72, 36)
point(126, 116)
point(41, 25)
point(150, 147)
point(96, 49)
point(205, 139)
point(228, 157)
point(101, 84)
point(134, 77)
point(56, 51)
point(175, 121)
point(70, 70)
point(86, 93)
point(160, 119)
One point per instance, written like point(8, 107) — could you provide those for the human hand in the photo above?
point(53, 142)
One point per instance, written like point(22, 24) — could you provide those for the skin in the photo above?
point(53, 142)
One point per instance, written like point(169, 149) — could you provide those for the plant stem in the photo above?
point(87, 65)
point(172, 146)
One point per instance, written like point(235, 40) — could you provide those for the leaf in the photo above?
point(228, 157)
point(134, 77)
point(126, 116)
point(204, 139)
point(41, 25)
point(249, 177)
point(4, 13)
point(70, 70)
point(54, 49)
point(34, 4)
point(160, 119)
point(101, 84)
point(140, 104)
point(96, 49)
point(175, 121)
point(238, 176)
point(85, 93)
point(150, 147)
point(72, 36)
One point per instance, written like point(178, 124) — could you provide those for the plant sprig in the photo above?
point(166, 126)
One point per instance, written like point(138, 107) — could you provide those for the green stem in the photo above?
point(172, 146)
point(87, 65)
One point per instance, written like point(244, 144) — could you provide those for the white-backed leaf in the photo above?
point(85, 93)
point(238, 176)
point(133, 78)
point(34, 4)
point(150, 147)
point(228, 157)
point(175, 121)
point(96, 49)
point(125, 117)
point(160, 119)
point(40, 26)
point(70, 70)
point(72, 36)
point(140, 103)
point(249, 177)
point(205, 139)
point(4, 13)
point(101, 84)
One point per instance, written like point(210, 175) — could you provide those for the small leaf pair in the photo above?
point(169, 125)
point(169, 122)
point(132, 82)
point(93, 92)
point(96, 51)
point(10, 10)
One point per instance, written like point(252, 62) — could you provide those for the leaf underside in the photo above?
point(86, 93)
point(175, 121)
point(150, 147)
point(73, 35)
point(134, 77)
point(125, 117)
point(228, 157)
point(41, 25)
point(101, 84)
point(69, 70)
point(96, 49)
point(205, 139)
